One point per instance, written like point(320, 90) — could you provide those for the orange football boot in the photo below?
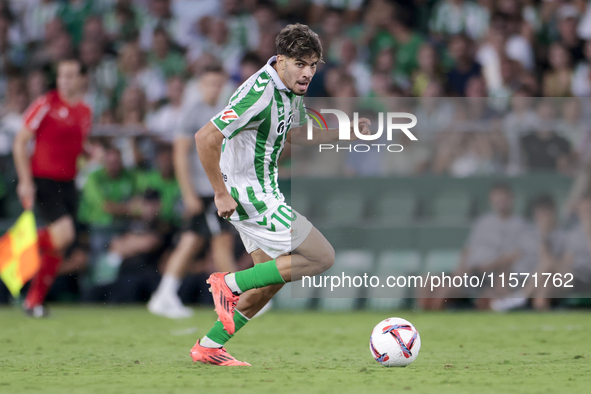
point(224, 300)
point(215, 356)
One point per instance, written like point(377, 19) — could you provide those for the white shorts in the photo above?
point(277, 231)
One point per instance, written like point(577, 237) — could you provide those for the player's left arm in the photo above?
point(299, 135)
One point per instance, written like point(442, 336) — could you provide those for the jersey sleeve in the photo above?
point(35, 114)
point(300, 117)
point(246, 104)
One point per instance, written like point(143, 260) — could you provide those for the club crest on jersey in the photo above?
point(63, 112)
point(228, 116)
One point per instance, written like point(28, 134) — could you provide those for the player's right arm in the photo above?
point(181, 148)
point(22, 162)
point(32, 119)
point(252, 98)
point(209, 149)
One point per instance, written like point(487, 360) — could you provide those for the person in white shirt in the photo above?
point(164, 121)
point(202, 221)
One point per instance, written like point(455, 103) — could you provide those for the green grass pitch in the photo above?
point(127, 350)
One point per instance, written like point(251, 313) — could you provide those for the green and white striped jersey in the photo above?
point(255, 123)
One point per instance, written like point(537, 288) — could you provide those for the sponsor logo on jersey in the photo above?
point(282, 126)
point(228, 116)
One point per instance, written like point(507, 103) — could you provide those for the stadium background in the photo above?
point(145, 58)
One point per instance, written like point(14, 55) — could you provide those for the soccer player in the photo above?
point(239, 149)
point(59, 122)
point(203, 223)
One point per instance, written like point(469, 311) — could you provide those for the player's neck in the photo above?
point(279, 72)
point(69, 99)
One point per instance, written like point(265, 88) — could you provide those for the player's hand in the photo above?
point(363, 127)
point(26, 193)
point(226, 205)
point(193, 205)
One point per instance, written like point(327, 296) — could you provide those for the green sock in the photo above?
point(221, 336)
point(261, 275)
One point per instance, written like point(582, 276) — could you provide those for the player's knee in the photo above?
point(69, 237)
point(63, 233)
point(326, 258)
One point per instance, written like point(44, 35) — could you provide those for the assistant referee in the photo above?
point(59, 122)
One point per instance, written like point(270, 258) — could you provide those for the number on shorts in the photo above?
point(284, 218)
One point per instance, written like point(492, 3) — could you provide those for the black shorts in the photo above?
point(207, 224)
point(56, 199)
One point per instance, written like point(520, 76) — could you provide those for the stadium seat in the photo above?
point(345, 208)
point(301, 203)
point(438, 261)
point(560, 197)
point(451, 206)
point(519, 203)
point(288, 299)
point(398, 262)
point(395, 208)
point(349, 263)
point(393, 263)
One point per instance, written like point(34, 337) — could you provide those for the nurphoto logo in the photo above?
point(345, 130)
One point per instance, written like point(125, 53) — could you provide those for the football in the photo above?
point(394, 342)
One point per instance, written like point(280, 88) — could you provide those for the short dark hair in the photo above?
point(110, 148)
point(214, 68)
point(298, 41)
point(82, 68)
point(502, 187)
point(251, 58)
point(544, 201)
point(160, 30)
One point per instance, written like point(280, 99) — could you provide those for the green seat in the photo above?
point(301, 203)
point(560, 197)
point(348, 263)
point(520, 201)
point(345, 208)
point(293, 299)
point(452, 206)
point(395, 208)
point(441, 261)
point(393, 263)
point(398, 262)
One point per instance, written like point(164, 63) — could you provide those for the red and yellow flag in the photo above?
point(19, 253)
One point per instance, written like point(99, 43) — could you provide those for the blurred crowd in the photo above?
point(146, 58)
point(459, 137)
point(147, 61)
point(514, 253)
